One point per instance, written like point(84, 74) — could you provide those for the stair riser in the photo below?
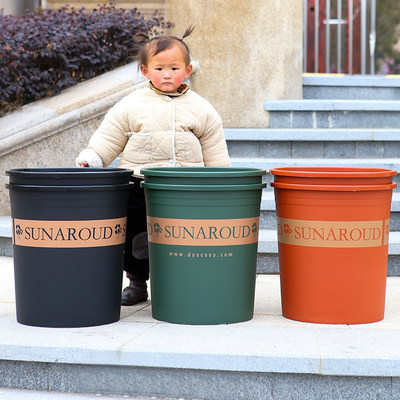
point(268, 263)
point(6, 247)
point(334, 119)
point(313, 149)
point(349, 93)
point(269, 178)
point(136, 382)
point(268, 220)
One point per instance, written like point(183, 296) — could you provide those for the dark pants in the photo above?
point(136, 261)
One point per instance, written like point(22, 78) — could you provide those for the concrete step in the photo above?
point(269, 163)
point(21, 394)
point(313, 143)
point(268, 214)
point(268, 247)
point(362, 87)
point(268, 263)
point(6, 248)
point(336, 113)
point(269, 357)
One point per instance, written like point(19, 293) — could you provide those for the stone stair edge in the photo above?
point(351, 80)
point(71, 98)
point(268, 201)
point(267, 204)
point(268, 243)
point(269, 163)
point(310, 105)
point(312, 134)
point(46, 117)
point(34, 394)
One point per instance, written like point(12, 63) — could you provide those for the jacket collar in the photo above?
point(180, 91)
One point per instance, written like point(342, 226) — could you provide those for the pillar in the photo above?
point(249, 51)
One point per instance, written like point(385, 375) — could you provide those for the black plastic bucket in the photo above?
point(68, 242)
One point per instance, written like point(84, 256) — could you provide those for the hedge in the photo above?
point(47, 51)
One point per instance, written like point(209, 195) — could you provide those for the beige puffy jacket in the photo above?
point(147, 128)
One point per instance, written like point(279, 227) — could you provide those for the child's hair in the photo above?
point(153, 46)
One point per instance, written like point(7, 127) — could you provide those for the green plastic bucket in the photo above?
point(203, 240)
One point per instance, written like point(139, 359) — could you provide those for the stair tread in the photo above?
point(268, 163)
point(268, 201)
point(267, 204)
point(331, 105)
point(25, 394)
point(368, 81)
point(268, 343)
point(313, 134)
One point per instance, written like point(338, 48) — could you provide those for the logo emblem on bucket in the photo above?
point(333, 233)
point(69, 234)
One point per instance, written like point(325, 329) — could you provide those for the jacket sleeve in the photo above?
point(215, 152)
point(110, 139)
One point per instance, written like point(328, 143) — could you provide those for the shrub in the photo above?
point(47, 51)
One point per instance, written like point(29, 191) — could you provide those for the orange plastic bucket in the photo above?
point(333, 249)
point(333, 175)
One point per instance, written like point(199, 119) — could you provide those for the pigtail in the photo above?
point(140, 43)
point(188, 31)
point(141, 38)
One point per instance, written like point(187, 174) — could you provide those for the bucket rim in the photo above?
point(67, 188)
point(333, 172)
point(202, 188)
point(334, 188)
point(203, 172)
point(63, 172)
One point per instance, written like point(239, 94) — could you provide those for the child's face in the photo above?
point(167, 69)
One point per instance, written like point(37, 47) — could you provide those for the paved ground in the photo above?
point(13, 394)
point(267, 343)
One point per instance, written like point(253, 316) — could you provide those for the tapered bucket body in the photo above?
point(68, 243)
point(333, 249)
point(203, 238)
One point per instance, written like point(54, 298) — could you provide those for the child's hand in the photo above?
point(88, 158)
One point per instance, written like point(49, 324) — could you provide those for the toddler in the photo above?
point(163, 124)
